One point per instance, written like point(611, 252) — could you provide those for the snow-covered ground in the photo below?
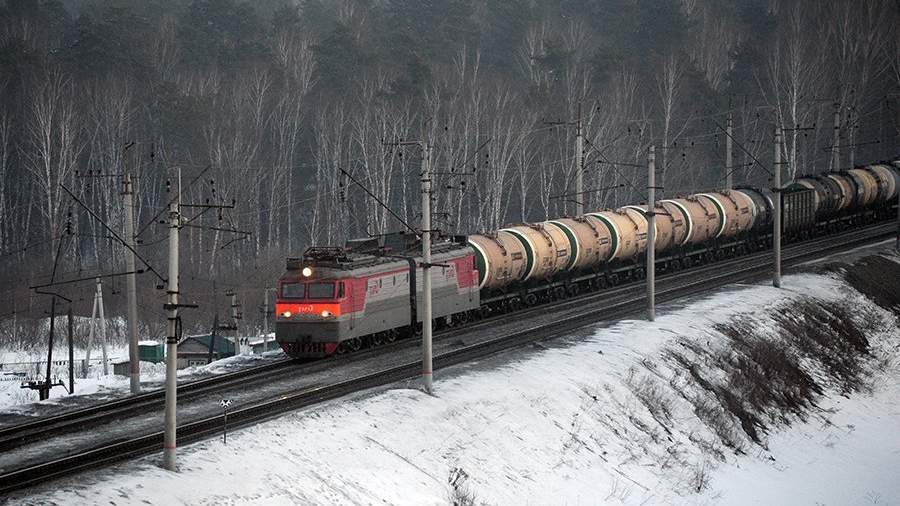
point(15, 399)
point(606, 417)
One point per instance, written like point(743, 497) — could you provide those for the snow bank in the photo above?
point(14, 399)
point(612, 417)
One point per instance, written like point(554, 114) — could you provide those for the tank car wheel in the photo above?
point(639, 274)
point(613, 279)
point(602, 282)
point(574, 289)
point(675, 265)
point(531, 299)
point(559, 293)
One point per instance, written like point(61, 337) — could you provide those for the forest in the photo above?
point(257, 107)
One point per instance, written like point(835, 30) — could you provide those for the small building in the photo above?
point(121, 367)
point(151, 351)
point(194, 350)
point(258, 345)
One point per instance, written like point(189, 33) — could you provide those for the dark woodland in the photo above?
point(262, 103)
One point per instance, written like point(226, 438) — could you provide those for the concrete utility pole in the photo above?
point(898, 220)
point(98, 305)
point(851, 138)
point(71, 351)
point(266, 318)
point(729, 166)
point(85, 367)
point(131, 286)
point(579, 165)
point(102, 328)
point(776, 221)
point(172, 337)
point(45, 393)
point(427, 373)
point(835, 153)
point(651, 234)
point(234, 322)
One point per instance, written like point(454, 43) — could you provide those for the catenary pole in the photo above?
point(776, 222)
point(266, 319)
point(71, 351)
point(234, 323)
point(90, 342)
point(579, 165)
point(131, 285)
point(45, 393)
point(835, 153)
point(172, 337)
point(729, 170)
point(651, 234)
point(427, 373)
point(898, 219)
point(102, 328)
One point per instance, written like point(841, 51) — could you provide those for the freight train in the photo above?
point(369, 292)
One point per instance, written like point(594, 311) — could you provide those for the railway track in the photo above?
point(523, 327)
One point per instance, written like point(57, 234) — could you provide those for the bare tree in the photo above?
point(53, 143)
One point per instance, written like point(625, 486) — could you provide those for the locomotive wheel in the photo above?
point(342, 348)
point(391, 335)
point(354, 344)
point(378, 339)
point(559, 293)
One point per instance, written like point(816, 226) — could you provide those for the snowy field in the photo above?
point(606, 417)
point(13, 398)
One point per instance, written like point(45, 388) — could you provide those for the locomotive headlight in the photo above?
point(326, 313)
point(286, 314)
point(307, 272)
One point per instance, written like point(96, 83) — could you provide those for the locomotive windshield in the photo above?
point(321, 290)
point(293, 290)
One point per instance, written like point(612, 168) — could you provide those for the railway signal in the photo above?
point(225, 403)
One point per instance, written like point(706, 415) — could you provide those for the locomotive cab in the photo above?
point(312, 311)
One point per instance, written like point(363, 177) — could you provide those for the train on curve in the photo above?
point(341, 299)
